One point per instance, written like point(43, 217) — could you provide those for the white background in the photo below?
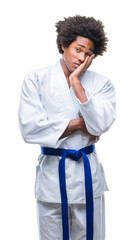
point(28, 42)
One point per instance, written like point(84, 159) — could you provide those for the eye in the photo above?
point(77, 49)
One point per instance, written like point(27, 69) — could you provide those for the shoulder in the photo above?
point(42, 75)
point(95, 80)
point(96, 76)
point(38, 73)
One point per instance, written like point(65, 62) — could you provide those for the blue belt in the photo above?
point(74, 155)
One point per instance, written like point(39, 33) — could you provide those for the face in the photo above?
point(76, 53)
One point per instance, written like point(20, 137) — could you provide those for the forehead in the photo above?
point(84, 42)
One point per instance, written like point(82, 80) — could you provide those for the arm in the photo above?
point(34, 123)
point(97, 107)
point(75, 125)
point(99, 112)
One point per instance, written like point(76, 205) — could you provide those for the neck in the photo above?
point(66, 71)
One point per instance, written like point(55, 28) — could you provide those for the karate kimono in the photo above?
point(47, 105)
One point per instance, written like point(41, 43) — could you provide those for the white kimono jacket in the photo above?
point(46, 107)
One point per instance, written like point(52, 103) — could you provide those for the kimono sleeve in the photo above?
point(99, 111)
point(34, 124)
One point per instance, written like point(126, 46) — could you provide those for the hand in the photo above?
point(82, 68)
point(84, 130)
point(75, 79)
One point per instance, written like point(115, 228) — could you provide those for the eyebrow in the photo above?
point(84, 47)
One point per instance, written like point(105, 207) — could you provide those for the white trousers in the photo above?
point(50, 220)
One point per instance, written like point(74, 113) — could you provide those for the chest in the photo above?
point(58, 99)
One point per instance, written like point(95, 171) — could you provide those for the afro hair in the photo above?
point(88, 27)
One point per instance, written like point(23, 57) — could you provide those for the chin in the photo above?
point(71, 70)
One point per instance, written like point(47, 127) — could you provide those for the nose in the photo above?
point(81, 57)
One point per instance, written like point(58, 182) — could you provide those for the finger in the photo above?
point(90, 59)
point(86, 62)
point(83, 66)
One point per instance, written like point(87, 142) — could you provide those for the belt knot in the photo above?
point(73, 154)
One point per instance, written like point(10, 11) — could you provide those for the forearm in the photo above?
point(79, 90)
point(75, 125)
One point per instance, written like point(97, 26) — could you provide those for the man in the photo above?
point(64, 109)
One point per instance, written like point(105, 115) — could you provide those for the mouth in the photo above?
point(76, 65)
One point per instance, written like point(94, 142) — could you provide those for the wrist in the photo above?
point(73, 78)
point(79, 91)
point(80, 123)
point(76, 124)
point(74, 81)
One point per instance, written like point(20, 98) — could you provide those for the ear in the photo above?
point(63, 48)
